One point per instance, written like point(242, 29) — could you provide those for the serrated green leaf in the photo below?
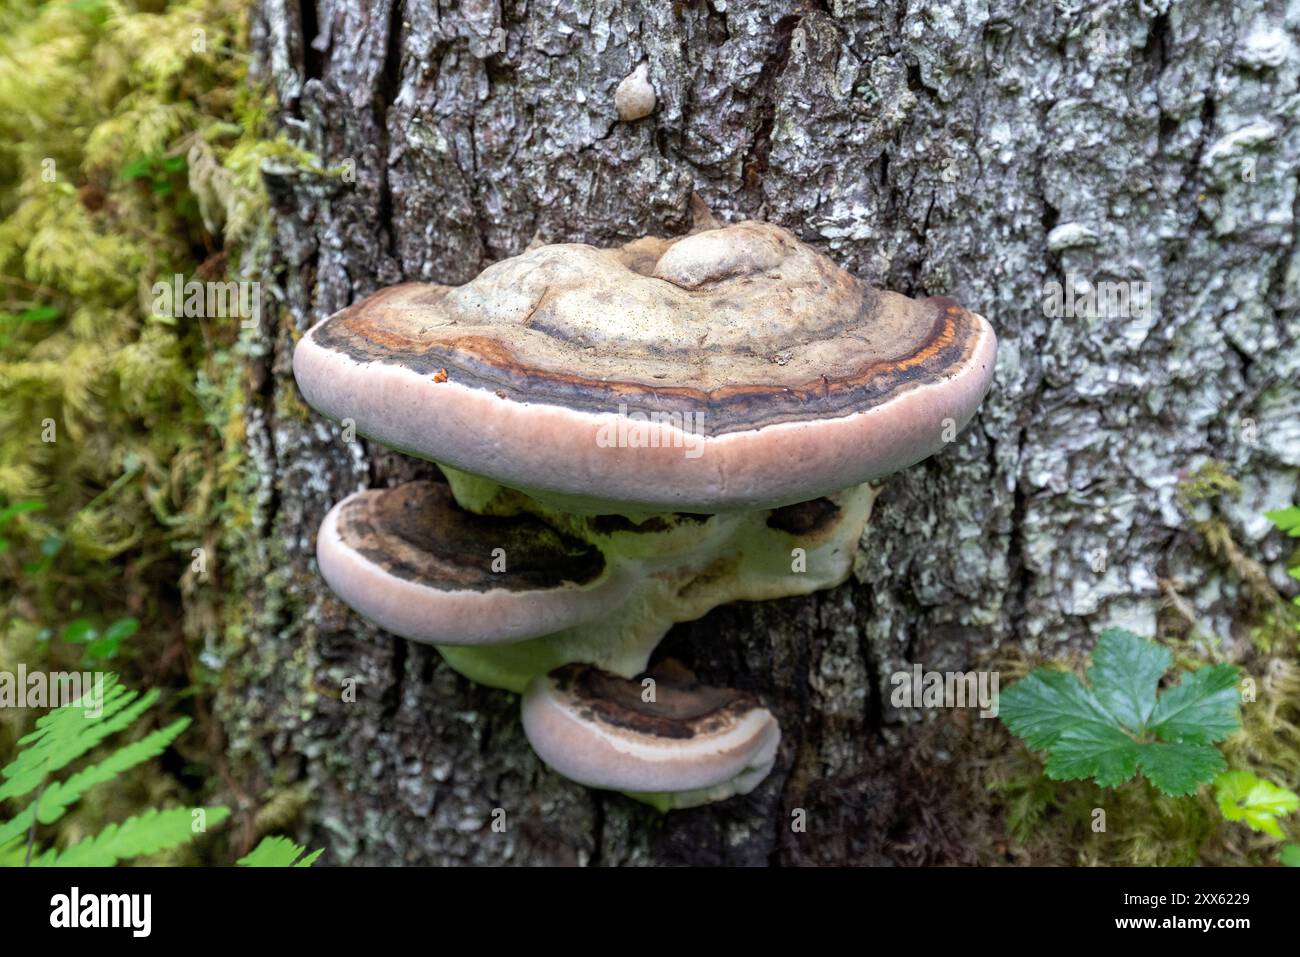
point(275, 851)
point(1046, 704)
point(1259, 803)
point(1124, 674)
point(137, 836)
point(1200, 709)
point(1105, 754)
point(1119, 726)
point(1179, 769)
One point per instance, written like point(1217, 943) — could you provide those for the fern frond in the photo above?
point(137, 836)
point(275, 851)
point(59, 796)
point(13, 854)
point(67, 733)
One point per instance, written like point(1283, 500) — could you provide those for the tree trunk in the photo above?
point(974, 149)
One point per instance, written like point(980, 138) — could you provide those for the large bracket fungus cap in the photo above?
point(733, 368)
point(687, 745)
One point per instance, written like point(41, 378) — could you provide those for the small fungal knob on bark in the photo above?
point(635, 96)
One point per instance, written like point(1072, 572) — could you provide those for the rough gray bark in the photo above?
point(931, 146)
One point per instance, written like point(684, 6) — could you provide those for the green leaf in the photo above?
point(1290, 855)
point(38, 314)
point(1105, 754)
point(1200, 709)
point(137, 836)
point(80, 631)
point(99, 651)
point(141, 168)
point(13, 854)
point(1244, 797)
point(122, 628)
point(59, 796)
point(1049, 703)
point(1286, 520)
point(105, 646)
point(1179, 769)
point(275, 851)
point(1124, 674)
point(19, 508)
point(66, 733)
point(1117, 726)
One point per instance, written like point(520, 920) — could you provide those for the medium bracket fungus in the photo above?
point(630, 437)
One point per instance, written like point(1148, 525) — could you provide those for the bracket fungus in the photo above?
point(692, 744)
point(630, 437)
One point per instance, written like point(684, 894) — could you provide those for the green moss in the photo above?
point(1208, 482)
point(130, 151)
point(1271, 619)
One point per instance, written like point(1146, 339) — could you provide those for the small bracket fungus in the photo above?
point(691, 745)
point(630, 437)
point(635, 96)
